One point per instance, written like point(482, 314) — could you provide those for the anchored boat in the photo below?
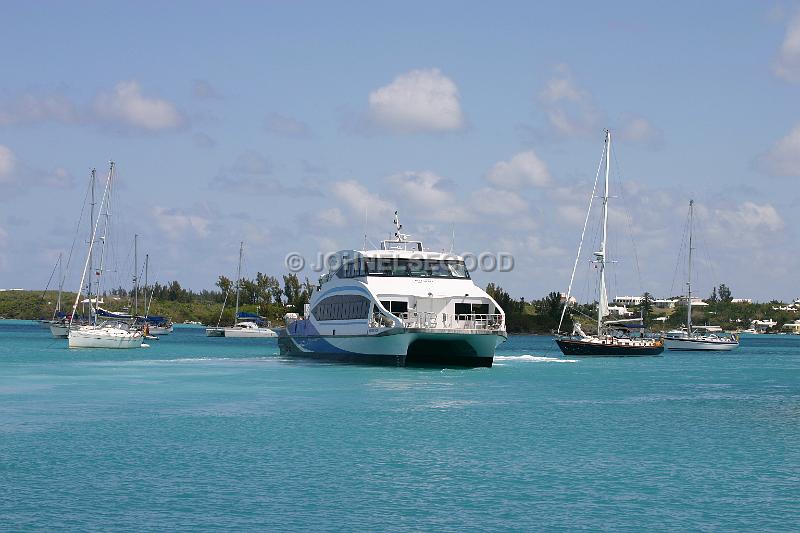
point(108, 334)
point(613, 338)
point(698, 338)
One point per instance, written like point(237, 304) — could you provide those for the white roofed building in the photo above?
point(665, 303)
point(629, 300)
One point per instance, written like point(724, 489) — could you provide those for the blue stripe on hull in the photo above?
point(439, 355)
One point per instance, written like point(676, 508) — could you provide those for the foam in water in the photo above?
point(533, 359)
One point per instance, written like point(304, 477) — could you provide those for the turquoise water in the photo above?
point(204, 433)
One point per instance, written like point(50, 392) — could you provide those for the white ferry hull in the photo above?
point(102, 338)
point(410, 347)
point(689, 344)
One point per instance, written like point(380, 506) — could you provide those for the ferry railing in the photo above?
point(428, 320)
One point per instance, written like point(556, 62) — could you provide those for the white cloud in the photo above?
point(58, 177)
point(329, 217)
point(525, 168)
point(425, 193)
point(8, 162)
point(572, 214)
point(126, 105)
point(417, 101)
point(640, 130)
point(569, 108)
point(783, 159)
point(176, 224)
point(495, 201)
point(787, 64)
point(286, 126)
point(571, 112)
point(32, 108)
point(359, 199)
point(748, 217)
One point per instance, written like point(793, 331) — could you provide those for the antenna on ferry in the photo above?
point(397, 225)
point(366, 224)
point(399, 236)
point(453, 239)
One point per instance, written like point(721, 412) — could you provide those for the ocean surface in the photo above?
point(200, 433)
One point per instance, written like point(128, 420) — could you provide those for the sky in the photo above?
point(299, 127)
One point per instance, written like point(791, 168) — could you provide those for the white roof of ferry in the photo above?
point(400, 254)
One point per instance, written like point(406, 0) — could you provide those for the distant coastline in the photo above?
point(267, 297)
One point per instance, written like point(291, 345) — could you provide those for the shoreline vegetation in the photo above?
point(271, 297)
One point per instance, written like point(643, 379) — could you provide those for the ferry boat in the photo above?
point(397, 305)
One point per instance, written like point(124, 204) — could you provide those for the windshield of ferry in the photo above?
point(417, 268)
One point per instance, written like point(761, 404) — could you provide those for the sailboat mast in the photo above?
point(60, 284)
point(91, 244)
point(689, 277)
point(91, 237)
point(238, 281)
point(107, 215)
point(603, 303)
point(135, 274)
point(146, 268)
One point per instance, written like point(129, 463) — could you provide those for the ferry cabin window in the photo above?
point(416, 268)
point(472, 309)
point(342, 307)
point(352, 269)
point(394, 306)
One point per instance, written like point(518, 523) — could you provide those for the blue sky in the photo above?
point(278, 123)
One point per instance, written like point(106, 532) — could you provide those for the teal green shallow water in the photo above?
point(203, 433)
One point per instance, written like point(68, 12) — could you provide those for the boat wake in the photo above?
point(527, 358)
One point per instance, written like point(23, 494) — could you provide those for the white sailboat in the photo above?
point(246, 325)
point(697, 338)
point(109, 334)
point(611, 339)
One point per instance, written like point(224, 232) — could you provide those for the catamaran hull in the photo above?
point(408, 348)
point(593, 349)
point(157, 330)
point(700, 345)
point(84, 339)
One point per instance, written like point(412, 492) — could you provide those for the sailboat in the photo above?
point(59, 325)
point(156, 324)
point(247, 324)
point(697, 338)
point(107, 334)
point(613, 338)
